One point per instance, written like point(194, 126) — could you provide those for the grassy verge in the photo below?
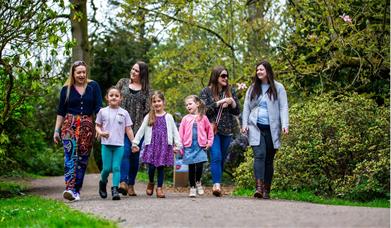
point(33, 211)
point(19, 210)
point(310, 197)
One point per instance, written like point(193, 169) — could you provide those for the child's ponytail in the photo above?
point(201, 105)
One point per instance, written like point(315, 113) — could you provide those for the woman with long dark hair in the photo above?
point(265, 116)
point(135, 92)
point(222, 105)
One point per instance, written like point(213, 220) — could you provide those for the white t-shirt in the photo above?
point(113, 121)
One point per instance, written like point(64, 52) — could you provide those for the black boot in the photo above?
point(115, 193)
point(266, 191)
point(259, 189)
point(102, 190)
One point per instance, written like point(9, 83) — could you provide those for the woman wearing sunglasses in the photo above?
point(80, 99)
point(265, 116)
point(222, 105)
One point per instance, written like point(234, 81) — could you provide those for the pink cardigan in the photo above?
point(204, 131)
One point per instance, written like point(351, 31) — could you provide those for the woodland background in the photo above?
point(333, 57)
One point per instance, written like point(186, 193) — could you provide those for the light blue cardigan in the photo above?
point(278, 115)
point(146, 131)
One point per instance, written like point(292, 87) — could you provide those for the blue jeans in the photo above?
point(218, 153)
point(111, 158)
point(130, 163)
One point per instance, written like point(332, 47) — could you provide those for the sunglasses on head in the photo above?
point(79, 63)
point(224, 75)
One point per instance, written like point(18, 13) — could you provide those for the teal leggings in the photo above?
point(111, 158)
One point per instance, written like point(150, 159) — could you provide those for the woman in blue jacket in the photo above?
point(265, 115)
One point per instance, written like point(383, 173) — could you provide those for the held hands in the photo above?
point(104, 134)
point(176, 150)
point(135, 149)
point(225, 102)
point(244, 130)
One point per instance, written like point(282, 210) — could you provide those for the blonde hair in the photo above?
point(71, 79)
point(201, 105)
point(152, 114)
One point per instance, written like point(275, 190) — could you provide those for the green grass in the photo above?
point(34, 211)
point(307, 196)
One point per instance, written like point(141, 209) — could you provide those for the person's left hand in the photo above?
point(285, 130)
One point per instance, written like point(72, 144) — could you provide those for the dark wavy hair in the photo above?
point(144, 75)
point(257, 88)
point(214, 83)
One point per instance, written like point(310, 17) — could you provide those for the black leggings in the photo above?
point(160, 174)
point(195, 173)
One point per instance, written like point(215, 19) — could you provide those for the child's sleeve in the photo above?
point(209, 131)
point(141, 131)
point(175, 134)
point(98, 119)
point(128, 120)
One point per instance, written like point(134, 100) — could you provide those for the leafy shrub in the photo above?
point(337, 146)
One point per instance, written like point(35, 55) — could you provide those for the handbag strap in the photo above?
point(220, 112)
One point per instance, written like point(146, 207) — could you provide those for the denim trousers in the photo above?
point(218, 153)
point(130, 163)
point(264, 156)
point(111, 158)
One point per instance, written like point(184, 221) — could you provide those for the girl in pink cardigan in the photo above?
point(196, 136)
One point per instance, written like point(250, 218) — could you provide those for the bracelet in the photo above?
point(57, 130)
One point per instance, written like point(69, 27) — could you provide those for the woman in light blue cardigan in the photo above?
point(265, 115)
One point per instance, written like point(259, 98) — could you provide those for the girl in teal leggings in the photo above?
point(111, 124)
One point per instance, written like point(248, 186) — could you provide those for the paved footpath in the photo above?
point(178, 210)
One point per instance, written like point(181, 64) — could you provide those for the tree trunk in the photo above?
point(257, 42)
point(79, 26)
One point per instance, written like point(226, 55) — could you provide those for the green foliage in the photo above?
point(307, 196)
point(115, 52)
point(10, 188)
point(337, 146)
point(19, 211)
point(28, 44)
point(337, 45)
point(196, 36)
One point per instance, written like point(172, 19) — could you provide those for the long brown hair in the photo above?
point(152, 114)
point(214, 83)
point(201, 105)
point(257, 88)
point(144, 75)
point(71, 79)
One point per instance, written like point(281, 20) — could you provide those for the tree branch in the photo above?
point(193, 24)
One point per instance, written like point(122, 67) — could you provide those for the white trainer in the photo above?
point(193, 192)
point(77, 196)
point(200, 189)
point(69, 195)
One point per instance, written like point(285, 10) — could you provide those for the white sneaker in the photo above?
point(69, 195)
point(200, 189)
point(77, 196)
point(193, 192)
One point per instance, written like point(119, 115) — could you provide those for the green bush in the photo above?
point(337, 146)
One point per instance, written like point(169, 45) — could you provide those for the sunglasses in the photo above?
point(224, 75)
point(79, 63)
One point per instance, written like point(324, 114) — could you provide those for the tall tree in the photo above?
point(79, 28)
point(30, 34)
